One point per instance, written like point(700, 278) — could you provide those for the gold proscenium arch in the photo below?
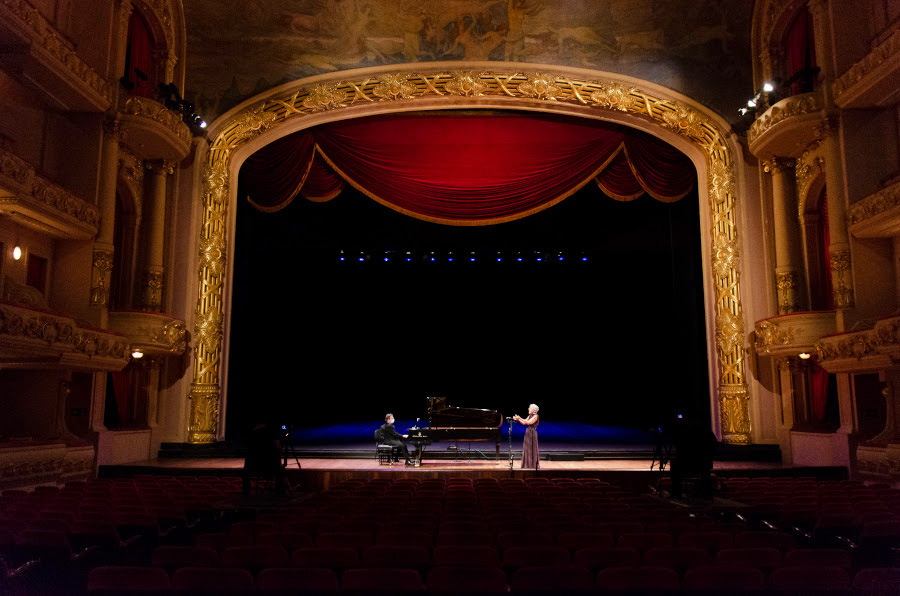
point(487, 85)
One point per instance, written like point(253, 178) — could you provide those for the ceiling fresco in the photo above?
point(238, 48)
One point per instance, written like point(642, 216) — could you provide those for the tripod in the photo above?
point(662, 456)
point(287, 447)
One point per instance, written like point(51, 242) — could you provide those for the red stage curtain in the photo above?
point(139, 56)
point(800, 51)
point(466, 170)
point(818, 391)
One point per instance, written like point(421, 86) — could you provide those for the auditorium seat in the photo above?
point(712, 541)
point(358, 540)
point(255, 557)
point(808, 578)
point(446, 581)
point(209, 580)
point(287, 540)
point(765, 558)
point(645, 579)
point(507, 539)
point(825, 557)
point(382, 581)
point(482, 538)
point(298, 580)
point(567, 579)
point(679, 558)
point(253, 528)
point(516, 557)
point(406, 557)
point(337, 558)
point(600, 557)
point(221, 541)
point(879, 580)
point(725, 578)
point(403, 538)
point(755, 538)
point(122, 580)
point(617, 528)
point(460, 556)
point(643, 540)
point(171, 558)
point(577, 540)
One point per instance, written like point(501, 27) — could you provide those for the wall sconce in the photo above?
point(137, 354)
point(804, 355)
point(17, 252)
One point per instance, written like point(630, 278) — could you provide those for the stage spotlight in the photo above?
point(751, 103)
point(768, 87)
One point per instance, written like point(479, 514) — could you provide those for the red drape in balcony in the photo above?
point(122, 386)
point(139, 59)
point(465, 170)
point(800, 52)
point(818, 391)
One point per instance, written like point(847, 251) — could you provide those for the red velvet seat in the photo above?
point(809, 578)
point(644, 540)
point(515, 557)
point(724, 578)
point(222, 541)
point(508, 539)
point(336, 558)
point(552, 579)
point(399, 538)
point(638, 578)
point(253, 528)
point(171, 558)
point(765, 558)
point(210, 580)
point(119, 579)
point(470, 556)
point(884, 580)
point(600, 557)
point(712, 541)
point(679, 558)
point(255, 557)
point(464, 539)
point(459, 580)
point(578, 540)
point(287, 540)
point(405, 557)
point(755, 538)
point(296, 580)
point(382, 580)
point(821, 557)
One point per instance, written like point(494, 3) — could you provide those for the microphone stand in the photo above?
point(511, 473)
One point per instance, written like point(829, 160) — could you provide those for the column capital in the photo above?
point(160, 166)
point(776, 165)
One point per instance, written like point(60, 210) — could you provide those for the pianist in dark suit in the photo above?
point(392, 437)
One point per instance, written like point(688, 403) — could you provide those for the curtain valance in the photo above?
point(465, 169)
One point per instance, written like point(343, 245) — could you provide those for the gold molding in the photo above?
point(874, 205)
point(884, 53)
point(517, 89)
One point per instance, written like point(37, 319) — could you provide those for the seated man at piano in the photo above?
point(395, 439)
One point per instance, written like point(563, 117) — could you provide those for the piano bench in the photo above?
point(386, 453)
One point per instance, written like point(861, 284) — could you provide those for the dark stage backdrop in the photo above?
point(616, 340)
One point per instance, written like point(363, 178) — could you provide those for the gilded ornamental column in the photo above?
point(152, 277)
point(839, 248)
point(788, 279)
point(102, 260)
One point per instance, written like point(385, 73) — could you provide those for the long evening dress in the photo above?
point(530, 454)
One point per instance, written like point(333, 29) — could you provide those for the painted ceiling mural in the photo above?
point(238, 48)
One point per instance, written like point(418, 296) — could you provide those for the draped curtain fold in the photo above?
point(122, 388)
point(465, 170)
point(800, 53)
point(818, 390)
point(139, 59)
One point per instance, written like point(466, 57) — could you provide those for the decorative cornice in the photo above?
point(39, 199)
point(867, 349)
point(865, 72)
point(874, 205)
point(153, 333)
point(45, 36)
point(788, 335)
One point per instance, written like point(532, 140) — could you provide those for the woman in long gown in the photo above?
point(530, 454)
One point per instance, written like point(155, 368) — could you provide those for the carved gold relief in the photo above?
point(611, 96)
point(151, 291)
point(787, 284)
point(875, 204)
point(101, 276)
point(770, 335)
point(841, 279)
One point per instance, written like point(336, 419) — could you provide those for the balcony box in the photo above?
point(152, 131)
point(793, 334)
point(787, 128)
point(154, 334)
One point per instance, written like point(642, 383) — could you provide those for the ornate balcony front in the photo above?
point(866, 350)
point(878, 215)
point(44, 60)
point(40, 204)
point(154, 334)
point(33, 337)
point(793, 334)
point(787, 128)
point(871, 82)
point(152, 131)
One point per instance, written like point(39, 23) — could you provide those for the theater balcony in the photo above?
point(154, 334)
point(42, 58)
point(877, 215)
point(788, 127)
point(36, 338)
point(38, 203)
point(153, 131)
point(872, 82)
point(793, 334)
point(863, 350)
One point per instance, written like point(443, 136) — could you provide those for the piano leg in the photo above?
point(419, 455)
point(498, 449)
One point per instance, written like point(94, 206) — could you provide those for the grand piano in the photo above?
point(450, 423)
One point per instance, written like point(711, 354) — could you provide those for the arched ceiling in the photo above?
point(239, 48)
